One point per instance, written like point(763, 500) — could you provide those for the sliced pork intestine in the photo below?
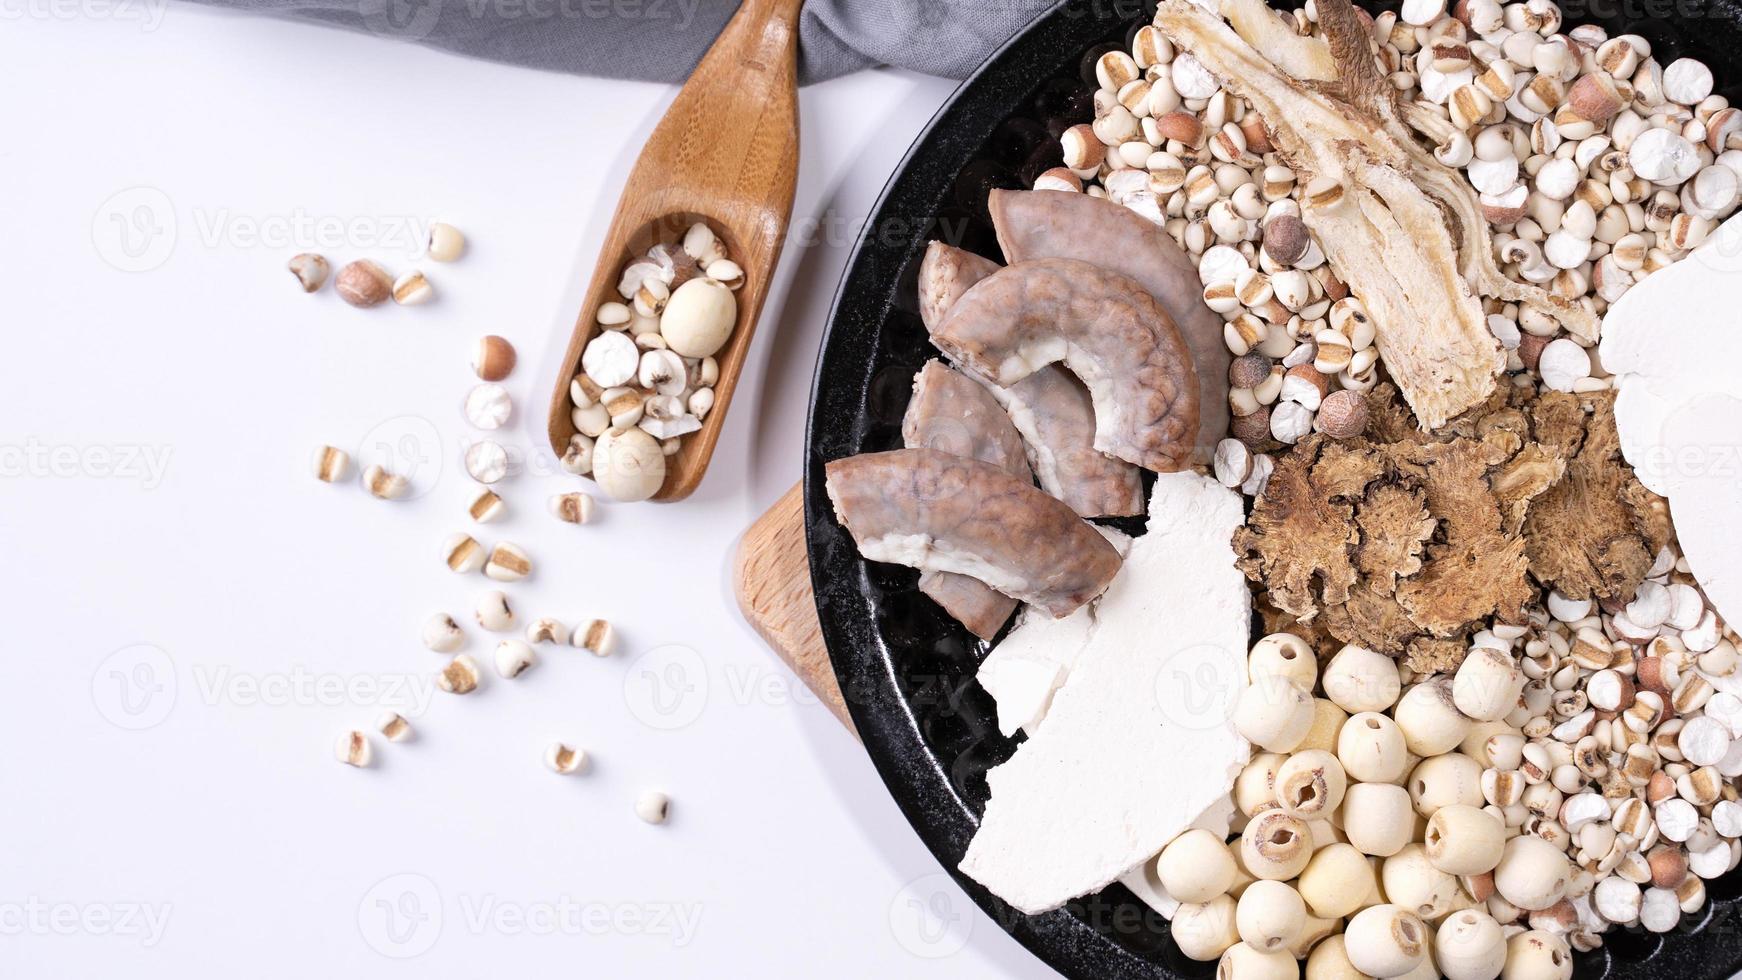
point(953, 413)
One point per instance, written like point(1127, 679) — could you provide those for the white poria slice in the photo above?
point(1672, 343)
point(1140, 741)
point(1024, 670)
point(1146, 884)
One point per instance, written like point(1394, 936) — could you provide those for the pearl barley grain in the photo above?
point(494, 613)
point(571, 508)
point(460, 676)
point(353, 749)
point(1563, 364)
point(442, 634)
point(514, 658)
point(507, 563)
point(462, 553)
point(412, 289)
point(486, 506)
point(393, 726)
point(565, 760)
point(547, 630)
point(595, 636)
point(384, 485)
point(653, 808)
point(446, 243)
point(310, 270)
point(331, 465)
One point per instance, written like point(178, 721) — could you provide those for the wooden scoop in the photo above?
point(726, 153)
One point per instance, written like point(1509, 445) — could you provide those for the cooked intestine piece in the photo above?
point(1052, 410)
point(941, 513)
point(1404, 231)
point(1064, 225)
point(953, 413)
point(1105, 327)
point(945, 274)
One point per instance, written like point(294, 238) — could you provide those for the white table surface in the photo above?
point(193, 619)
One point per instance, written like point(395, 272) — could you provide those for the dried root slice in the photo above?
point(1379, 205)
point(1306, 58)
point(1596, 533)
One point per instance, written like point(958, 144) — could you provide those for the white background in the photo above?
point(192, 618)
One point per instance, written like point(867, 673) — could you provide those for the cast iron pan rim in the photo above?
point(887, 727)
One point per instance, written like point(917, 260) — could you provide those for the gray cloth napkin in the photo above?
point(661, 40)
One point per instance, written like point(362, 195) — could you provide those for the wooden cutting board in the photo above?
point(771, 576)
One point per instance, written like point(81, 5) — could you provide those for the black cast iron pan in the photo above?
point(907, 670)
